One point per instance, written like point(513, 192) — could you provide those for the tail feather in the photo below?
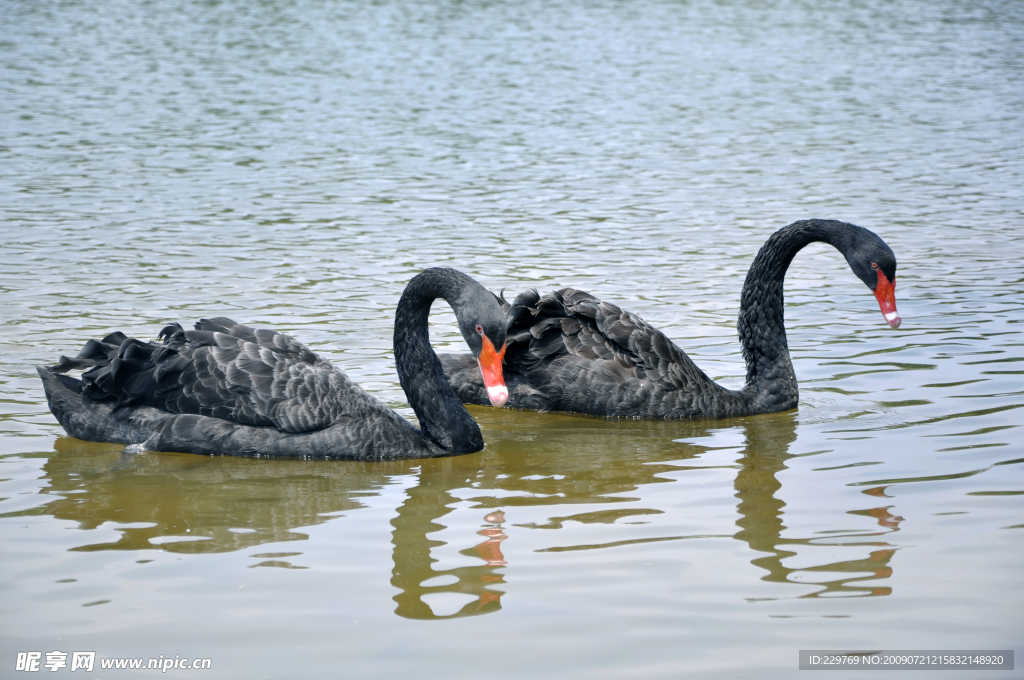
point(94, 353)
point(96, 421)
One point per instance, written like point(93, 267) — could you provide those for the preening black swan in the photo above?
point(227, 389)
point(569, 351)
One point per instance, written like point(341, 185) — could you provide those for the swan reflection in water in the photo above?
point(765, 452)
point(598, 462)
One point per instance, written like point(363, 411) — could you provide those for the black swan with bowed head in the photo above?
point(227, 389)
point(569, 351)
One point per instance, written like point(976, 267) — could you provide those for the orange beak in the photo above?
point(490, 369)
point(885, 293)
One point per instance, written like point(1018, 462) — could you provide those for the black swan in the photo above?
point(227, 389)
point(569, 351)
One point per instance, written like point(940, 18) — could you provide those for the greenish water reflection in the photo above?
point(192, 504)
point(761, 526)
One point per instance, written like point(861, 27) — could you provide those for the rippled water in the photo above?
point(293, 164)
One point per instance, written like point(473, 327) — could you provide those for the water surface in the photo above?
point(293, 164)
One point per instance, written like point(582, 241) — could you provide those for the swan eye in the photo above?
point(479, 329)
point(874, 265)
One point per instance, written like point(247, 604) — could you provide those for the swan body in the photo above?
point(228, 389)
point(569, 351)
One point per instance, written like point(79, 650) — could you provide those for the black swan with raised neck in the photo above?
point(569, 351)
point(228, 389)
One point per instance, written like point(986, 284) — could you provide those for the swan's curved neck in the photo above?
point(761, 324)
point(443, 418)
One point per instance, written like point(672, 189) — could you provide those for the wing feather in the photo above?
point(611, 345)
point(225, 370)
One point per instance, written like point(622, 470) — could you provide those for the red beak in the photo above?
point(490, 368)
point(885, 292)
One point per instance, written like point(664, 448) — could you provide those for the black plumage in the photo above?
point(228, 389)
point(569, 351)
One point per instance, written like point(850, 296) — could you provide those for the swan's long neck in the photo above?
point(761, 325)
point(443, 419)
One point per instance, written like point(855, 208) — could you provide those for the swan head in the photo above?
point(482, 322)
point(874, 263)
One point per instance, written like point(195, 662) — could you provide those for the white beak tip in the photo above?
point(498, 395)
